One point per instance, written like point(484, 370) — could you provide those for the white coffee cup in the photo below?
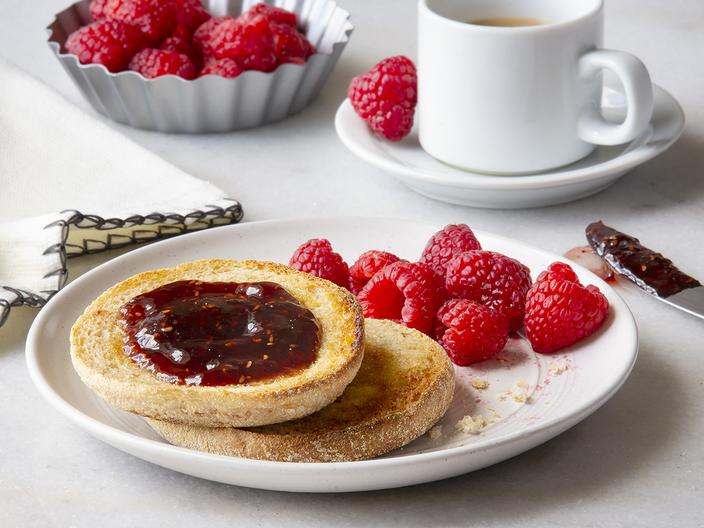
point(520, 100)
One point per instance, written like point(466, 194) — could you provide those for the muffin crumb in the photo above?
point(479, 383)
point(556, 369)
point(517, 392)
point(470, 424)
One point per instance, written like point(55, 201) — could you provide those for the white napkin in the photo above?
point(71, 185)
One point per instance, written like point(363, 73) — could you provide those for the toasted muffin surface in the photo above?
point(97, 355)
point(404, 386)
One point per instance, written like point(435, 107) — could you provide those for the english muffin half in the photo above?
point(404, 386)
point(99, 358)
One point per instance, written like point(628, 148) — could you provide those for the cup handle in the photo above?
point(591, 126)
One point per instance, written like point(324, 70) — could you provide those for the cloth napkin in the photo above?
point(71, 185)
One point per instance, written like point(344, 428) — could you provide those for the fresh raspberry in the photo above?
point(470, 332)
point(446, 243)
point(288, 42)
point(560, 311)
point(559, 271)
point(274, 14)
point(182, 32)
point(97, 9)
point(156, 18)
point(491, 279)
point(386, 96)
point(111, 43)
point(203, 35)
point(153, 63)
point(317, 258)
point(223, 67)
point(180, 42)
point(250, 44)
point(367, 265)
point(191, 14)
point(408, 293)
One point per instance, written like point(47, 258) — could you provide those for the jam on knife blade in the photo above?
point(651, 271)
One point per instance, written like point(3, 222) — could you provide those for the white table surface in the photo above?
point(637, 462)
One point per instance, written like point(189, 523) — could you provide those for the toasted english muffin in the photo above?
point(98, 357)
point(404, 386)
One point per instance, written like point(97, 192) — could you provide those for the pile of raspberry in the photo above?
point(465, 297)
point(180, 37)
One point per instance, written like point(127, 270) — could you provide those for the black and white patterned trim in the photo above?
point(164, 225)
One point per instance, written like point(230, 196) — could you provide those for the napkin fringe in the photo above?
point(165, 225)
point(20, 298)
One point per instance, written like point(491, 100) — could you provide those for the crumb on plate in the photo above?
point(556, 369)
point(479, 383)
point(470, 424)
point(435, 432)
point(517, 392)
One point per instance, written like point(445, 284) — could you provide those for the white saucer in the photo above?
point(418, 170)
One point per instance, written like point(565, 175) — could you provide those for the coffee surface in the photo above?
point(510, 21)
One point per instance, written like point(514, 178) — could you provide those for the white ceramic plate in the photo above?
point(590, 374)
point(418, 170)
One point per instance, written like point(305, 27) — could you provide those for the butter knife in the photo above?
point(650, 271)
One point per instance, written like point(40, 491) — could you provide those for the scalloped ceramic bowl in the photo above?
point(210, 103)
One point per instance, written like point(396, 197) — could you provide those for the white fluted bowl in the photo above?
point(209, 103)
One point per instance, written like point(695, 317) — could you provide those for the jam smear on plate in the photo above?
point(627, 256)
point(219, 333)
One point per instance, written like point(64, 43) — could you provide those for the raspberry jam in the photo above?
point(627, 256)
point(220, 333)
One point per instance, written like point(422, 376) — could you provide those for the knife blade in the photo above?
point(647, 269)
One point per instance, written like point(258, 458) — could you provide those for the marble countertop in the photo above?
point(637, 462)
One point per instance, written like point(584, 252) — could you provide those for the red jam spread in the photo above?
point(627, 256)
point(219, 333)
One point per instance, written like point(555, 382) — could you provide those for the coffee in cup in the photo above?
point(509, 21)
